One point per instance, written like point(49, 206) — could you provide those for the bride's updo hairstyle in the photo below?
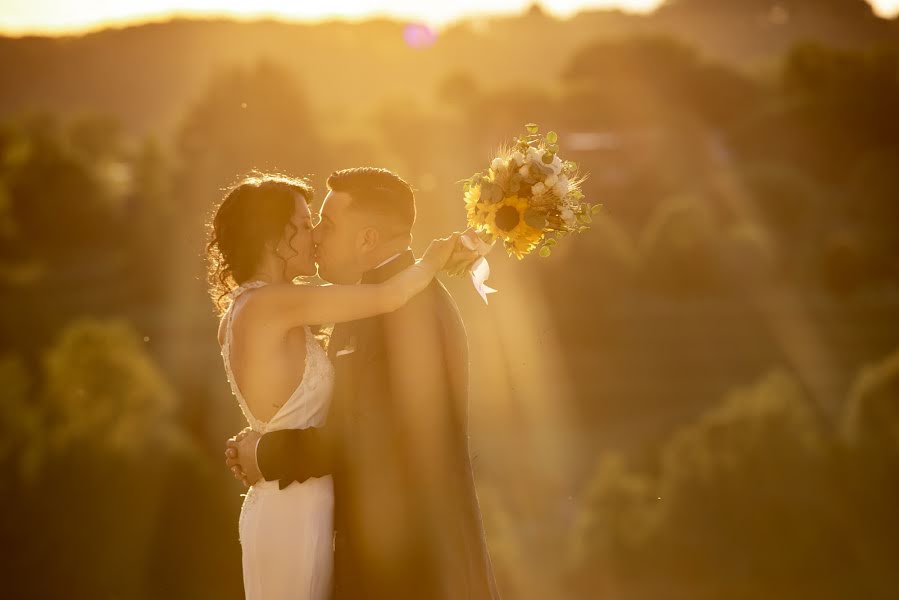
point(255, 211)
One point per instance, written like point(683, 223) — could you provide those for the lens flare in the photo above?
point(419, 35)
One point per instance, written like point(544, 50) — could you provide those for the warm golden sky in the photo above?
point(54, 16)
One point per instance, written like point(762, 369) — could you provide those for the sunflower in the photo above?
point(477, 211)
point(506, 220)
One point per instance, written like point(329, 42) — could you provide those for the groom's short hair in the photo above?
point(379, 191)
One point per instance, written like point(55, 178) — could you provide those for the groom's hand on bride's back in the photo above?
point(240, 456)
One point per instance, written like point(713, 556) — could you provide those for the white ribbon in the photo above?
point(480, 269)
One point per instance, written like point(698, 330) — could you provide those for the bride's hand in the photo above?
point(440, 251)
point(462, 257)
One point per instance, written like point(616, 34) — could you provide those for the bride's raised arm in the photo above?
point(290, 305)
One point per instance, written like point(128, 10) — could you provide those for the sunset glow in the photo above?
point(48, 16)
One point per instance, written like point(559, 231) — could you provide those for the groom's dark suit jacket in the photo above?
point(407, 519)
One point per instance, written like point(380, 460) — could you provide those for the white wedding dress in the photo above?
point(287, 535)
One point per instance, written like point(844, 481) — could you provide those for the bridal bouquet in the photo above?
point(529, 198)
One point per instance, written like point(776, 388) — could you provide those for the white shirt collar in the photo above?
point(389, 260)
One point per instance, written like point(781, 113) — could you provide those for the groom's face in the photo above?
point(338, 240)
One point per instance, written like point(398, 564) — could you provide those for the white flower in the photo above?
point(498, 164)
point(568, 217)
point(517, 158)
point(535, 154)
point(562, 187)
point(538, 188)
point(525, 170)
point(550, 181)
point(556, 165)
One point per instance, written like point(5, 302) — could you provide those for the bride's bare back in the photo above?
point(267, 363)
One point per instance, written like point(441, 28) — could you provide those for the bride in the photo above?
point(260, 241)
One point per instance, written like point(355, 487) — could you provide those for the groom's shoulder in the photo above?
point(435, 300)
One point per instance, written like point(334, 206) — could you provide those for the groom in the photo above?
point(407, 521)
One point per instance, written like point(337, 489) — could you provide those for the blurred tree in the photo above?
point(641, 79)
point(872, 412)
point(610, 533)
point(152, 216)
point(872, 192)
point(120, 494)
point(96, 138)
point(58, 203)
point(753, 500)
point(248, 118)
point(748, 253)
point(729, 488)
point(101, 385)
point(752, 476)
point(458, 89)
point(870, 203)
point(82, 215)
point(405, 128)
point(842, 102)
point(844, 95)
point(8, 231)
point(20, 421)
point(871, 430)
point(787, 202)
point(845, 262)
point(678, 248)
point(856, 7)
point(500, 114)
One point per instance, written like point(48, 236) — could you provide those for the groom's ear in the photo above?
point(370, 238)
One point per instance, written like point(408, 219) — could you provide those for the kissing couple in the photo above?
point(356, 455)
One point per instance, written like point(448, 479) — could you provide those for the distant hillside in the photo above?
point(148, 75)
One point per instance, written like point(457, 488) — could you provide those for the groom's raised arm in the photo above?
point(290, 455)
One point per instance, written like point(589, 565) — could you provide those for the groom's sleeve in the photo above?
point(292, 455)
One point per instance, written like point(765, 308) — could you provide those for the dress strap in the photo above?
point(249, 285)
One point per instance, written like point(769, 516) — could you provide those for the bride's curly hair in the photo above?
point(254, 211)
